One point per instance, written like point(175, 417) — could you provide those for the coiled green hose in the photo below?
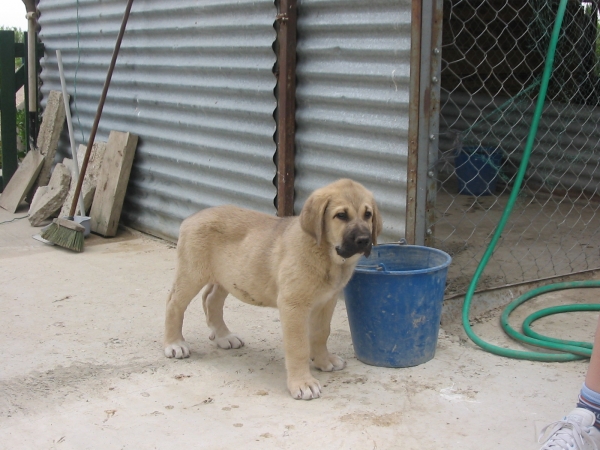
point(571, 350)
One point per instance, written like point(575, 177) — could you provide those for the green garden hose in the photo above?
point(570, 350)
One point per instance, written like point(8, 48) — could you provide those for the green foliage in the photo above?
point(19, 38)
point(21, 119)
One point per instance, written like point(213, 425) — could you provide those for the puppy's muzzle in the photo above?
point(355, 241)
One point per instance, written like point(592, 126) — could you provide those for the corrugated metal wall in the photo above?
point(566, 149)
point(194, 80)
point(352, 100)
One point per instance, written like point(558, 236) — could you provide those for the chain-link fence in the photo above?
point(492, 60)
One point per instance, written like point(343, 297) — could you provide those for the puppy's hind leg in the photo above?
point(213, 299)
point(183, 292)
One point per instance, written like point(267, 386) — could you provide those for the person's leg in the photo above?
point(589, 397)
point(592, 379)
point(580, 429)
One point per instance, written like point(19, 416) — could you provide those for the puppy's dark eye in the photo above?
point(368, 214)
point(341, 215)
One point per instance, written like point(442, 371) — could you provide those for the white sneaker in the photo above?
point(574, 432)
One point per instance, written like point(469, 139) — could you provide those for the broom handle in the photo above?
point(88, 150)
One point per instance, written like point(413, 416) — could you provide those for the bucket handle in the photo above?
point(379, 267)
point(400, 241)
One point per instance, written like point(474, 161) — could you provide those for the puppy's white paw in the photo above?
point(227, 342)
point(179, 350)
point(306, 389)
point(329, 363)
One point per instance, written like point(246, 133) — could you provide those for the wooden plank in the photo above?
point(112, 183)
point(91, 176)
point(22, 181)
point(53, 121)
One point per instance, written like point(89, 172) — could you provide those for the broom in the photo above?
point(63, 231)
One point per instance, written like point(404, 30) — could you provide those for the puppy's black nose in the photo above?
point(362, 240)
point(363, 244)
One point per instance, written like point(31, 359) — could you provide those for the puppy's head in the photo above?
point(343, 216)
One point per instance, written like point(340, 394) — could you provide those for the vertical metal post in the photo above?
point(7, 105)
point(413, 122)
point(423, 138)
point(286, 107)
point(435, 69)
point(421, 192)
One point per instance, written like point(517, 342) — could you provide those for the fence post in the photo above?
point(7, 105)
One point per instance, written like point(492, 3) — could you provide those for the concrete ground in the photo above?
point(82, 367)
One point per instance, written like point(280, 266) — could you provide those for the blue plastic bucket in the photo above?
point(394, 303)
point(477, 170)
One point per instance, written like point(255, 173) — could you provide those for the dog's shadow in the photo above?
point(260, 364)
point(257, 368)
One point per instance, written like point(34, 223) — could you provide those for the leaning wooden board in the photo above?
point(22, 181)
point(112, 183)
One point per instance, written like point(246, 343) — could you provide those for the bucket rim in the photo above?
point(371, 270)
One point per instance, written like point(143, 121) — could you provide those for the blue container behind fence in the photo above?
point(394, 302)
point(477, 170)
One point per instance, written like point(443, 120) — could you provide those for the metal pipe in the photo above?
point(31, 75)
point(32, 84)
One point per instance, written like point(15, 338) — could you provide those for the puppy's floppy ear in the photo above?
point(377, 223)
point(312, 215)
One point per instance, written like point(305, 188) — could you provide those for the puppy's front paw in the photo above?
point(179, 349)
point(227, 342)
point(329, 363)
point(306, 389)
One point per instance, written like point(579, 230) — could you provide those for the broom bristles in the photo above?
point(66, 234)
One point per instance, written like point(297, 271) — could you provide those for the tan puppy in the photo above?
point(297, 264)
